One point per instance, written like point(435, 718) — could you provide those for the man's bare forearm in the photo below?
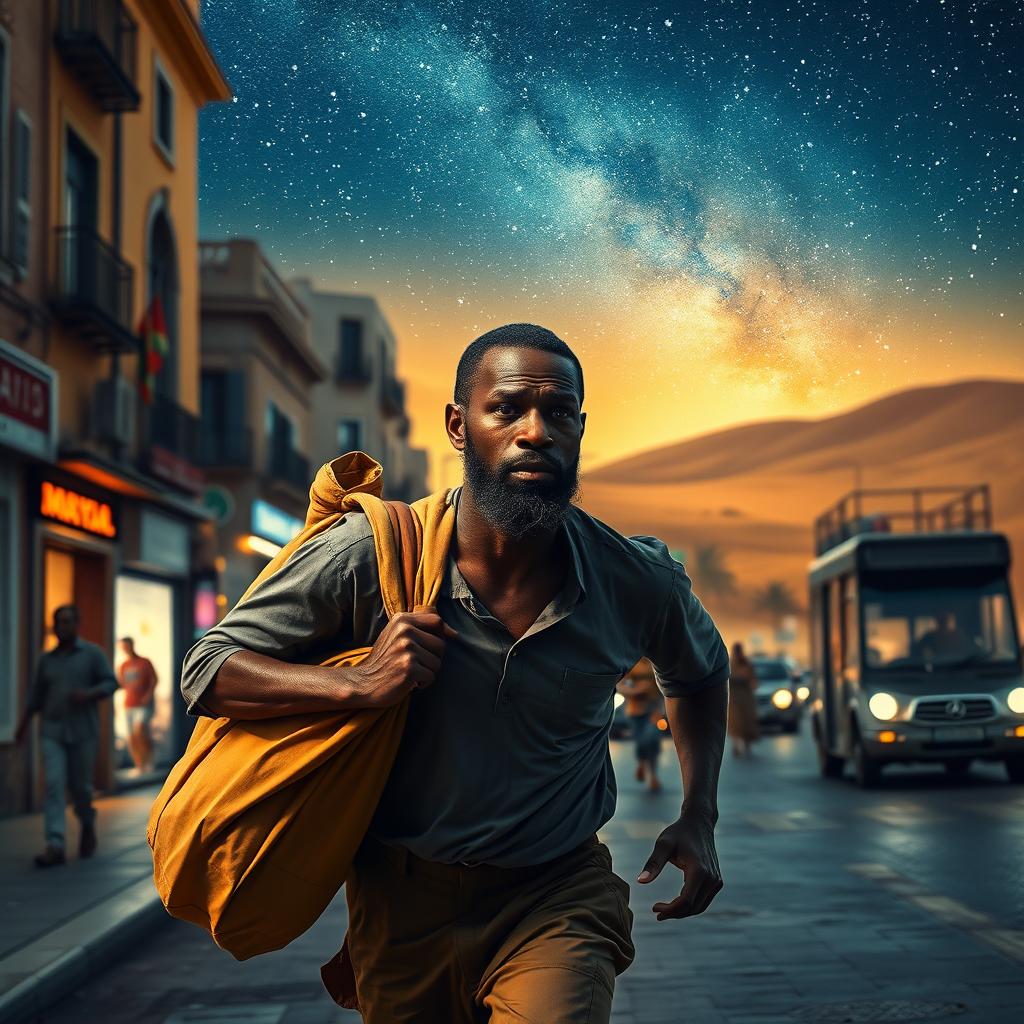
point(250, 686)
point(698, 732)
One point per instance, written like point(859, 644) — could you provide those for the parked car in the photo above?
point(777, 700)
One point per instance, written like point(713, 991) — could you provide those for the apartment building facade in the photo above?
point(362, 406)
point(259, 441)
point(100, 483)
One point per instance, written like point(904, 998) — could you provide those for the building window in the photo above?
point(21, 228)
point(280, 434)
point(163, 112)
point(225, 438)
point(351, 365)
point(350, 436)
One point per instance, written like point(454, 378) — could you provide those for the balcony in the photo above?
point(289, 467)
point(173, 451)
point(221, 448)
point(392, 397)
point(97, 41)
point(93, 290)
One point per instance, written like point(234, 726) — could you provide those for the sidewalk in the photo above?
point(60, 926)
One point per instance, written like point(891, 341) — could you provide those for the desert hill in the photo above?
point(753, 490)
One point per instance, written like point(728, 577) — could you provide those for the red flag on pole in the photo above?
point(153, 330)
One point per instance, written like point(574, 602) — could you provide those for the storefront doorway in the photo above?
point(145, 611)
point(79, 575)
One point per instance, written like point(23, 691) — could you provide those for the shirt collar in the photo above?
point(575, 589)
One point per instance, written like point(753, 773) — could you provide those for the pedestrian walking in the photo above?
point(481, 891)
point(138, 680)
point(70, 681)
point(643, 708)
point(743, 727)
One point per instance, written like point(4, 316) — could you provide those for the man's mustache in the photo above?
point(536, 461)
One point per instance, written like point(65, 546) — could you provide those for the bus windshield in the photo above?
point(928, 627)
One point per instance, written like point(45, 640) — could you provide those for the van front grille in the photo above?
point(949, 710)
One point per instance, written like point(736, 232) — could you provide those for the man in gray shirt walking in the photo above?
point(70, 680)
point(481, 892)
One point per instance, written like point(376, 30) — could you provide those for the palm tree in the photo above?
point(777, 600)
point(713, 576)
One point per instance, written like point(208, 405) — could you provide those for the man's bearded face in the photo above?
point(517, 506)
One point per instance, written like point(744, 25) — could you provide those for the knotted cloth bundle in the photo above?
point(254, 830)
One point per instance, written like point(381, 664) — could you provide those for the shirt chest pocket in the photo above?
point(578, 702)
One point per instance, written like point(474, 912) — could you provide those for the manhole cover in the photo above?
point(896, 1010)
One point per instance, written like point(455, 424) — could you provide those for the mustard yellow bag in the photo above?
point(254, 830)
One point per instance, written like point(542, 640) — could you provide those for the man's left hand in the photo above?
point(689, 844)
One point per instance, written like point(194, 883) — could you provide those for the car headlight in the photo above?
point(803, 692)
point(782, 699)
point(1015, 700)
point(883, 706)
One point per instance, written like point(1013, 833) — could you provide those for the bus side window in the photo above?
point(851, 629)
point(835, 622)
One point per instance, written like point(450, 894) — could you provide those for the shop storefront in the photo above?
point(152, 606)
point(126, 563)
point(76, 530)
point(28, 436)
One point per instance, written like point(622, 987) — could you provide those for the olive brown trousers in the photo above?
point(436, 943)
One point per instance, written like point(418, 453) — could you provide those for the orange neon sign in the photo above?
point(73, 509)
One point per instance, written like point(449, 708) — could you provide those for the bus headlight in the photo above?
point(803, 692)
point(782, 699)
point(1015, 700)
point(883, 706)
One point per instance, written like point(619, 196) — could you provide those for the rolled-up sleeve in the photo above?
point(686, 649)
point(304, 602)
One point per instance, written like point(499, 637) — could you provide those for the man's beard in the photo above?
point(520, 507)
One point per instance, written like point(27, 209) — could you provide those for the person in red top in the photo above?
point(138, 680)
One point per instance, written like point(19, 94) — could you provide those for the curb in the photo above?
point(63, 960)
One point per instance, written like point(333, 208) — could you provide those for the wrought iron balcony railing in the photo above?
point(93, 289)
point(289, 466)
point(392, 396)
point(174, 429)
point(97, 40)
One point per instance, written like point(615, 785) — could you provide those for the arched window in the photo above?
point(162, 280)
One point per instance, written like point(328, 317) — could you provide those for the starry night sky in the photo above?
point(730, 209)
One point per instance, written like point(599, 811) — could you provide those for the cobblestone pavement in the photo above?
point(905, 903)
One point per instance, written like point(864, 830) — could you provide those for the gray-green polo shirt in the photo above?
point(79, 667)
point(505, 758)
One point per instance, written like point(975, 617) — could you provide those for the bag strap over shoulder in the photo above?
point(408, 535)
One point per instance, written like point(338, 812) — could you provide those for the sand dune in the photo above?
point(755, 489)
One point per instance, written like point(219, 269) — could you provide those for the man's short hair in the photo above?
point(72, 608)
point(128, 640)
point(509, 336)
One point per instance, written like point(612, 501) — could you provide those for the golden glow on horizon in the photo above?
point(665, 361)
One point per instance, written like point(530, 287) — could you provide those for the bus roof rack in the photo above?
point(903, 510)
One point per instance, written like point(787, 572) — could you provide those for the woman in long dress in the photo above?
point(743, 727)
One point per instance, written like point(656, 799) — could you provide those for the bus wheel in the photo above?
point(830, 766)
point(1015, 769)
point(866, 770)
point(958, 767)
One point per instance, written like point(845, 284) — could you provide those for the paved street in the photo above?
point(907, 902)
